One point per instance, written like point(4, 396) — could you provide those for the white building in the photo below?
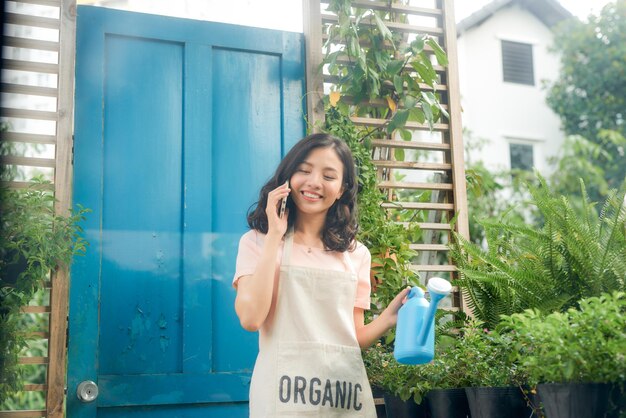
point(504, 58)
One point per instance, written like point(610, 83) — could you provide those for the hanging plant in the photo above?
point(373, 76)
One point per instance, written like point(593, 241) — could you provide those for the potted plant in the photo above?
point(576, 358)
point(493, 376)
point(393, 381)
point(472, 372)
point(33, 242)
point(442, 382)
point(577, 252)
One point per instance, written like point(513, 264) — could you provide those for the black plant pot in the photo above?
point(397, 408)
point(532, 401)
point(448, 403)
point(378, 394)
point(495, 402)
point(617, 403)
point(575, 400)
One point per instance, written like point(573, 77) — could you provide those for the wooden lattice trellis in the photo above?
point(437, 166)
point(37, 87)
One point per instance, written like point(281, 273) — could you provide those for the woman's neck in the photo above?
point(309, 230)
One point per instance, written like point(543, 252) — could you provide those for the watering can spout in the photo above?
point(438, 288)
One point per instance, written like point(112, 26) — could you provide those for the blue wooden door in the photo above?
point(178, 123)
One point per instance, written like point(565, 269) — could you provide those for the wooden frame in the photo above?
point(59, 296)
point(313, 50)
point(54, 388)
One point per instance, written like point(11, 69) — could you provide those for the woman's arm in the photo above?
point(366, 335)
point(255, 291)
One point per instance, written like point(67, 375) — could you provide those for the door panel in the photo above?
point(141, 214)
point(257, 84)
point(178, 124)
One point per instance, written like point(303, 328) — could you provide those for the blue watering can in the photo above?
point(415, 333)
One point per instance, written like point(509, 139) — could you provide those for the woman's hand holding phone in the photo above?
point(276, 210)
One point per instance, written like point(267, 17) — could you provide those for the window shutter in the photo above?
point(517, 63)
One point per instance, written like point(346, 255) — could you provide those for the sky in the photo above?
point(287, 14)
point(579, 8)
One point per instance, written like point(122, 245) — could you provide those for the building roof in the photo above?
point(550, 12)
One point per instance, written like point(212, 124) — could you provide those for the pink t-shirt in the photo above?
point(251, 244)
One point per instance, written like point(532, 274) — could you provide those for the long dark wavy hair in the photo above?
point(339, 231)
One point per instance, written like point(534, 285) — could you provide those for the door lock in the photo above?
point(87, 391)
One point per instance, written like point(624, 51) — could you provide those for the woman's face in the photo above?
point(317, 182)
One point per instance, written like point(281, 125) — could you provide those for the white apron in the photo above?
point(309, 361)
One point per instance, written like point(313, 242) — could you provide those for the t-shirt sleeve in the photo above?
point(364, 287)
point(248, 255)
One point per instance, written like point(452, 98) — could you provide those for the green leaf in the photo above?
point(432, 74)
point(399, 154)
point(416, 114)
point(428, 113)
point(405, 134)
point(429, 97)
point(411, 83)
point(410, 101)
point(362, 61)
point(443, 110)
point(440, 54)
point(353, 47)
point(394, 66)
point(398, 120)
point(568, 369)
point(401, 117)
point(374, 82)
point(426, 73)
point(417, 46)
point(382, 28)
point(398, 83)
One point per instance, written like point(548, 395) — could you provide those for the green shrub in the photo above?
point(587, 344)
point(572, 256)
point(33, 242)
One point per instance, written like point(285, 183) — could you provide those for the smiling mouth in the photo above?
point(308, 195)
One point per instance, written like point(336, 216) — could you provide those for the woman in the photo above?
point(302, 280)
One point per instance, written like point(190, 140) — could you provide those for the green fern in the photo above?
point(576, 253)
